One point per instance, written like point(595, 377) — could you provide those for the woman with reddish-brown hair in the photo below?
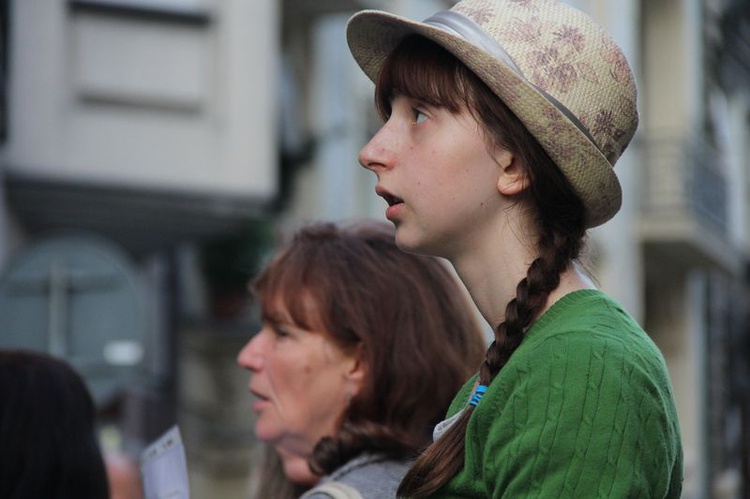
point(361, 350)
point(503, 120)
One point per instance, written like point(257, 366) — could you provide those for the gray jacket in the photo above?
point(374, 476)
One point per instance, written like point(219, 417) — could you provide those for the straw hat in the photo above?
point(552, 65)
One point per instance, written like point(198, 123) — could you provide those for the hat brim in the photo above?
point(372, 35)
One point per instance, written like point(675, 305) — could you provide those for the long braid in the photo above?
point(542, 277)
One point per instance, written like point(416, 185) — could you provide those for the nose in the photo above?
point(377, 154)
point(251, 355)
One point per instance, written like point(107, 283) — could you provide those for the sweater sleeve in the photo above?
point(577, 416)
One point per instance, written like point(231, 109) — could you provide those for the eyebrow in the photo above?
point(274, 317)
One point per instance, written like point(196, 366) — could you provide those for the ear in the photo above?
point(355, 371)
point(513, 179)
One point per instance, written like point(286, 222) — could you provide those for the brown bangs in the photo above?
point(423, 70)
point(284, 282)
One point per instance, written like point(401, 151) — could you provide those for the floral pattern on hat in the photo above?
point(480, 15)
point(553, 122)
point(571, 36)
point(553, 71)
point(619, 68)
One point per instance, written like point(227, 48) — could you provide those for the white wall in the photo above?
point(131, 101)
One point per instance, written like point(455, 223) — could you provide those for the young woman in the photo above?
point(361, 351)
point(503, 120)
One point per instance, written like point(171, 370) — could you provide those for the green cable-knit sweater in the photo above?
point(583, 408)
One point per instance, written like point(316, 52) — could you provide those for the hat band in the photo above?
point(459, 25)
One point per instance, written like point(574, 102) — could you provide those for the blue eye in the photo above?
point(419, 117)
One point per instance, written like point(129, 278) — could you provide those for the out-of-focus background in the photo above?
point(152, 153)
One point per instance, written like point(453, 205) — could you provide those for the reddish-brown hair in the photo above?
point(421, 69)
point(405, 314)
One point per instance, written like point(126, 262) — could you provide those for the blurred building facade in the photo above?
point(154, 149)
point(693, 227)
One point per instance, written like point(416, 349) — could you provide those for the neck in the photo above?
point(492, 272)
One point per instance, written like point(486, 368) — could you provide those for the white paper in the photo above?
point(164, 468)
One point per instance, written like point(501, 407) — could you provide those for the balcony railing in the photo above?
point(683, 177)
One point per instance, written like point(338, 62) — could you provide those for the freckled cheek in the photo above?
point(288, 377)
point(298, 379)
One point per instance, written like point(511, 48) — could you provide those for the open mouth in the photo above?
point(387, 196)
point(391, 200)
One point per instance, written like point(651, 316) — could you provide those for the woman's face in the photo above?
point(435, 171)
point(301, 381)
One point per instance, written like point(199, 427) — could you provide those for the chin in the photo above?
point(406, 243)
point(267, 433)
point(414, 245)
